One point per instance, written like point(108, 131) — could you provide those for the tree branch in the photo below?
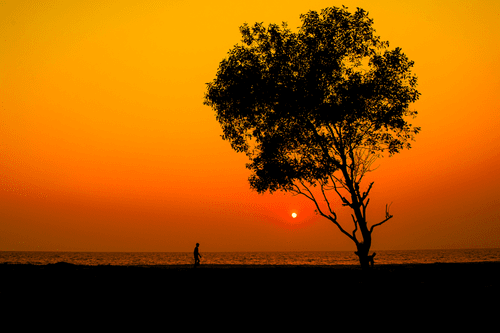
point(355, 226)
point(328, 202)
point(320, 211)
point(388, 216)
point(345, 202)
point(365, 194)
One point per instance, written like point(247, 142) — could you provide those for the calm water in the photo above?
point(249, 258)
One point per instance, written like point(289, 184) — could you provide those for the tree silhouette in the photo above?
point(314, 109)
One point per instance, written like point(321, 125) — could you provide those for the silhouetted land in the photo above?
point(416, 290)
point(432, 279)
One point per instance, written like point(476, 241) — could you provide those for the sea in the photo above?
point(249, 258)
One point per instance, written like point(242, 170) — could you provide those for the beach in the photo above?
point(417, 280)
point(256, 296)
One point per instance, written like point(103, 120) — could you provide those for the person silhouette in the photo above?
point(197, 255)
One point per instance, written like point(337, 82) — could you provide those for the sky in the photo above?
point(105, 144)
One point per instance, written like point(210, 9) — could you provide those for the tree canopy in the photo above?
point(316, 106)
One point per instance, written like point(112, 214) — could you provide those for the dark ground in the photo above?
point(448, 294)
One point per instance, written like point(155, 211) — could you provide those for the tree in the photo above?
point(314, 109)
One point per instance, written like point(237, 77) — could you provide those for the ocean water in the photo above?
point(249, 258)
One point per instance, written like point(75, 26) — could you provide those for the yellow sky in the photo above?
point(105, 144)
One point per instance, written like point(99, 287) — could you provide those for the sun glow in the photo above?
point(294, 215)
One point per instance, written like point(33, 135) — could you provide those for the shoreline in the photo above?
point(249, 266)
point(376, 267)
point(429, 270)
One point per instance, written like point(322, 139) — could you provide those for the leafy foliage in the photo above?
point(301, 104)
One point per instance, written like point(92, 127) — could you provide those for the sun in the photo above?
point(294, 215)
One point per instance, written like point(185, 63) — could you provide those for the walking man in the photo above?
point(197, 255)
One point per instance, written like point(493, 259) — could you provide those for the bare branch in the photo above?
point(388, 216)
point(364, 205)
point(365, 194)
point(311, 197)
point(355, 226)
point(345, 202)
point(299, 191)
point(327, 201)
point(332, 218)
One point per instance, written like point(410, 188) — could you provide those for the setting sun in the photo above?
point(294, 215)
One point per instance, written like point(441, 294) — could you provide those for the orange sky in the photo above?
point(105, 144)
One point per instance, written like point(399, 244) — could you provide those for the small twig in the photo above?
point(388, 216)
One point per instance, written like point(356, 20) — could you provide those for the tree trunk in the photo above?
point(363, 247)
point(356, 204)
point(362, 253)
